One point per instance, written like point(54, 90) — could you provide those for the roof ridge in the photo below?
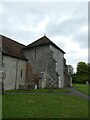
point(42, 41)
point(39, 39)
point(12, 40)
point(12, 48)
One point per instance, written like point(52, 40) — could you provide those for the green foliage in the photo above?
point(82, 74)
point(89, 71)
point(74, 78)
point(82, 68)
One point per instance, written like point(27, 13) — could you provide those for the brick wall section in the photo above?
point(32, 78)
point(29, 72)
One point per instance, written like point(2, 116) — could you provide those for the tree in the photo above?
point(89, 72)
point(74, 78)
point(82, 68)
point(70, 69)
point(82, 72)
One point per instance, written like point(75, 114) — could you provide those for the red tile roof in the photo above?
point(12, 48)
point(42, 41)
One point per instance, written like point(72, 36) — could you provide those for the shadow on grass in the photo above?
point(61, 90)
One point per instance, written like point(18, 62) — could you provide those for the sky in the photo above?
point(64, 23)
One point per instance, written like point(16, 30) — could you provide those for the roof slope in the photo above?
point(42, 41)
point(12, 48)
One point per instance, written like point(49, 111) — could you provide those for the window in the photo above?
point(21, 73)
point(35, 54)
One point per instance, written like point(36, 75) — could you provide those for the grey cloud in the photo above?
point(23, 10)
point(61, 44)
point(24, 37)
point(81, 39)
point(74, 59)
point(17, 14)
point(67, 27)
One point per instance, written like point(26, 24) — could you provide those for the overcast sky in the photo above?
point(66, 24)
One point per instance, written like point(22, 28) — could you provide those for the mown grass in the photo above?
point(0, 106)
point(44, 106)
point(82, 88)
point(61, 90)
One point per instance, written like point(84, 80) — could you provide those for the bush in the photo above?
point(81, 79)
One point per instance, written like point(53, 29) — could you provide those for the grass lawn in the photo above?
point(44, 106)
point(0, 106)
point(82, 88)
point(61, 90)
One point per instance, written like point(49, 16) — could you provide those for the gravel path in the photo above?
point(78, 93)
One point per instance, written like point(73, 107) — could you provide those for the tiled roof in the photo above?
point(42, 41)
point(11, 47)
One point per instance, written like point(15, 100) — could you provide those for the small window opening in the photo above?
point(21, 73)
point(35, 54)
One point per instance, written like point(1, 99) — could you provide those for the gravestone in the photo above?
point(87, 82)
